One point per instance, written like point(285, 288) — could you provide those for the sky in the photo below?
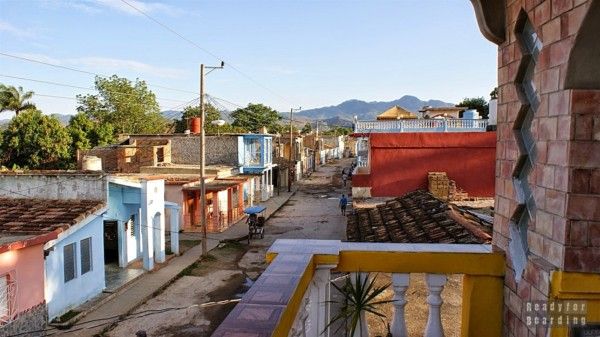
point(282, 53)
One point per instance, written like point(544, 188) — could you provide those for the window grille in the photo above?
point(86, 255)
point(69, 262)
point(8, 298)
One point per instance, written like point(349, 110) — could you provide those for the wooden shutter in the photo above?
point(69, 261)
point(86, 255)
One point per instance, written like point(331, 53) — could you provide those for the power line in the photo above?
point(83, 88)
point(120, 318)
point(84, 71)
point(173, 31)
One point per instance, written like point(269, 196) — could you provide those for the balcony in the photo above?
point(422, 125)
point(292, 297)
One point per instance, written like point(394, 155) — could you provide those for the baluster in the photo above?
point(435, 285)
point(400, 283)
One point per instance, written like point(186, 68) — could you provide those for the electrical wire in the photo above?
point(83, 88)
point(122, 318)
point(173, 31)
point(84, 71)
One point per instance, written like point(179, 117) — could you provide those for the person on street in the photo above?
point(344, 178)
point(343, 203)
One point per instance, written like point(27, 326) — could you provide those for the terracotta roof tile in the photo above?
point(416, 217)
point(42, 216)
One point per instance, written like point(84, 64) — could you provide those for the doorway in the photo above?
point(111, 242)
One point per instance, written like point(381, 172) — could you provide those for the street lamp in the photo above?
point(203, 157)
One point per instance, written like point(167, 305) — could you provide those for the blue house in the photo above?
point(255, 158)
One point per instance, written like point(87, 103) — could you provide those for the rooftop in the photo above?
point(417, 217)
point(23, 220)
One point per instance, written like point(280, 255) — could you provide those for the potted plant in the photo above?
point(360, 296)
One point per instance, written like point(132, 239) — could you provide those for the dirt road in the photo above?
point(312, 213)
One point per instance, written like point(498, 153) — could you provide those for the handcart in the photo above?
point(256, 221)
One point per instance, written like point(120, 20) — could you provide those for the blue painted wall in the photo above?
point(60, 296)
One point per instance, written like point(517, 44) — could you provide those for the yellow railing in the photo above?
point(299, 273)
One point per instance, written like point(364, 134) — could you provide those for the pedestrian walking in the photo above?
point(343, 203)
point(344, 178)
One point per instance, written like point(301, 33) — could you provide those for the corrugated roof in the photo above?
point(417, 217)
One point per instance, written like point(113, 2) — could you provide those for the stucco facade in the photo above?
point(63, 295)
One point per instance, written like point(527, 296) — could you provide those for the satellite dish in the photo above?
point(218, 122)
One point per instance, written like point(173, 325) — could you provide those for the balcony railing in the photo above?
point(422, 125)
point(292, 296)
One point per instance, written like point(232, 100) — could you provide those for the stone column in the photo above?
point(320, 295)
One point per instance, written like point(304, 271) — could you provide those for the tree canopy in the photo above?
point(34, 140)
point(255, 116)
point(212, 114)
point(128, 107)
point(477, 103)
point(87, 133)
point(15, 99)
point(307, 128)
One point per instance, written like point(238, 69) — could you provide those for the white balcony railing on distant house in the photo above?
point(422, 125)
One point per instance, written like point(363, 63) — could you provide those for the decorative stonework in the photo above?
point(530, 46)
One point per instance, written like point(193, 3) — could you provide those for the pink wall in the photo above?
point(399, 162)
point(26, 267)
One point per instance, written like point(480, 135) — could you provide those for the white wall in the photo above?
point(60, 296)
point(57, 186)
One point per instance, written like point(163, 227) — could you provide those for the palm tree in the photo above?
point(15, 99)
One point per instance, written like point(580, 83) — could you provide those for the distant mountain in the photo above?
point(368, 110)
point(172, 114)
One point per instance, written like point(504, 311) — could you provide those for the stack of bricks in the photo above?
point(439, 184)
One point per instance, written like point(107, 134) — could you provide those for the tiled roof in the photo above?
point(416, 217)
point(42, 216)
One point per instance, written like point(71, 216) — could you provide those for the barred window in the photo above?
point(4, 296)
point(69, 262)
point(86, 255)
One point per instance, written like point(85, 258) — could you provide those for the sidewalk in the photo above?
point(144, 288)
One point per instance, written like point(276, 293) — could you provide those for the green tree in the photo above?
point(212, 114)
point(87, 133)
point(338, 131)
point(307, 128)
point(36, 141)
point(128, 107)
point(15, 99)
point(477, 103)
point(255, 116)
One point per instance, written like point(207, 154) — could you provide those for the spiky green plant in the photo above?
point(359, 297)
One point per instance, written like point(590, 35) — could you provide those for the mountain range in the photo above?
point(335, 115)
point(368, 110)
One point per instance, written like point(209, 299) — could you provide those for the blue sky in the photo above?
point(307, 53)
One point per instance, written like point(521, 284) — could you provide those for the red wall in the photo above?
point(399, 162)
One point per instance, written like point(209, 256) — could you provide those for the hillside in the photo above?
point(368, 110)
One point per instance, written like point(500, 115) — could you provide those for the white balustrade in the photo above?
point(301, 324)
point(435, 285)
point(421, 125)
point(400, 284)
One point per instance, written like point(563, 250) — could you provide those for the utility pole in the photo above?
point(291, 149)
point(203, 159)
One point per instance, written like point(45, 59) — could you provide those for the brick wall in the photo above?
point(564, 179)
point(219, 150)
